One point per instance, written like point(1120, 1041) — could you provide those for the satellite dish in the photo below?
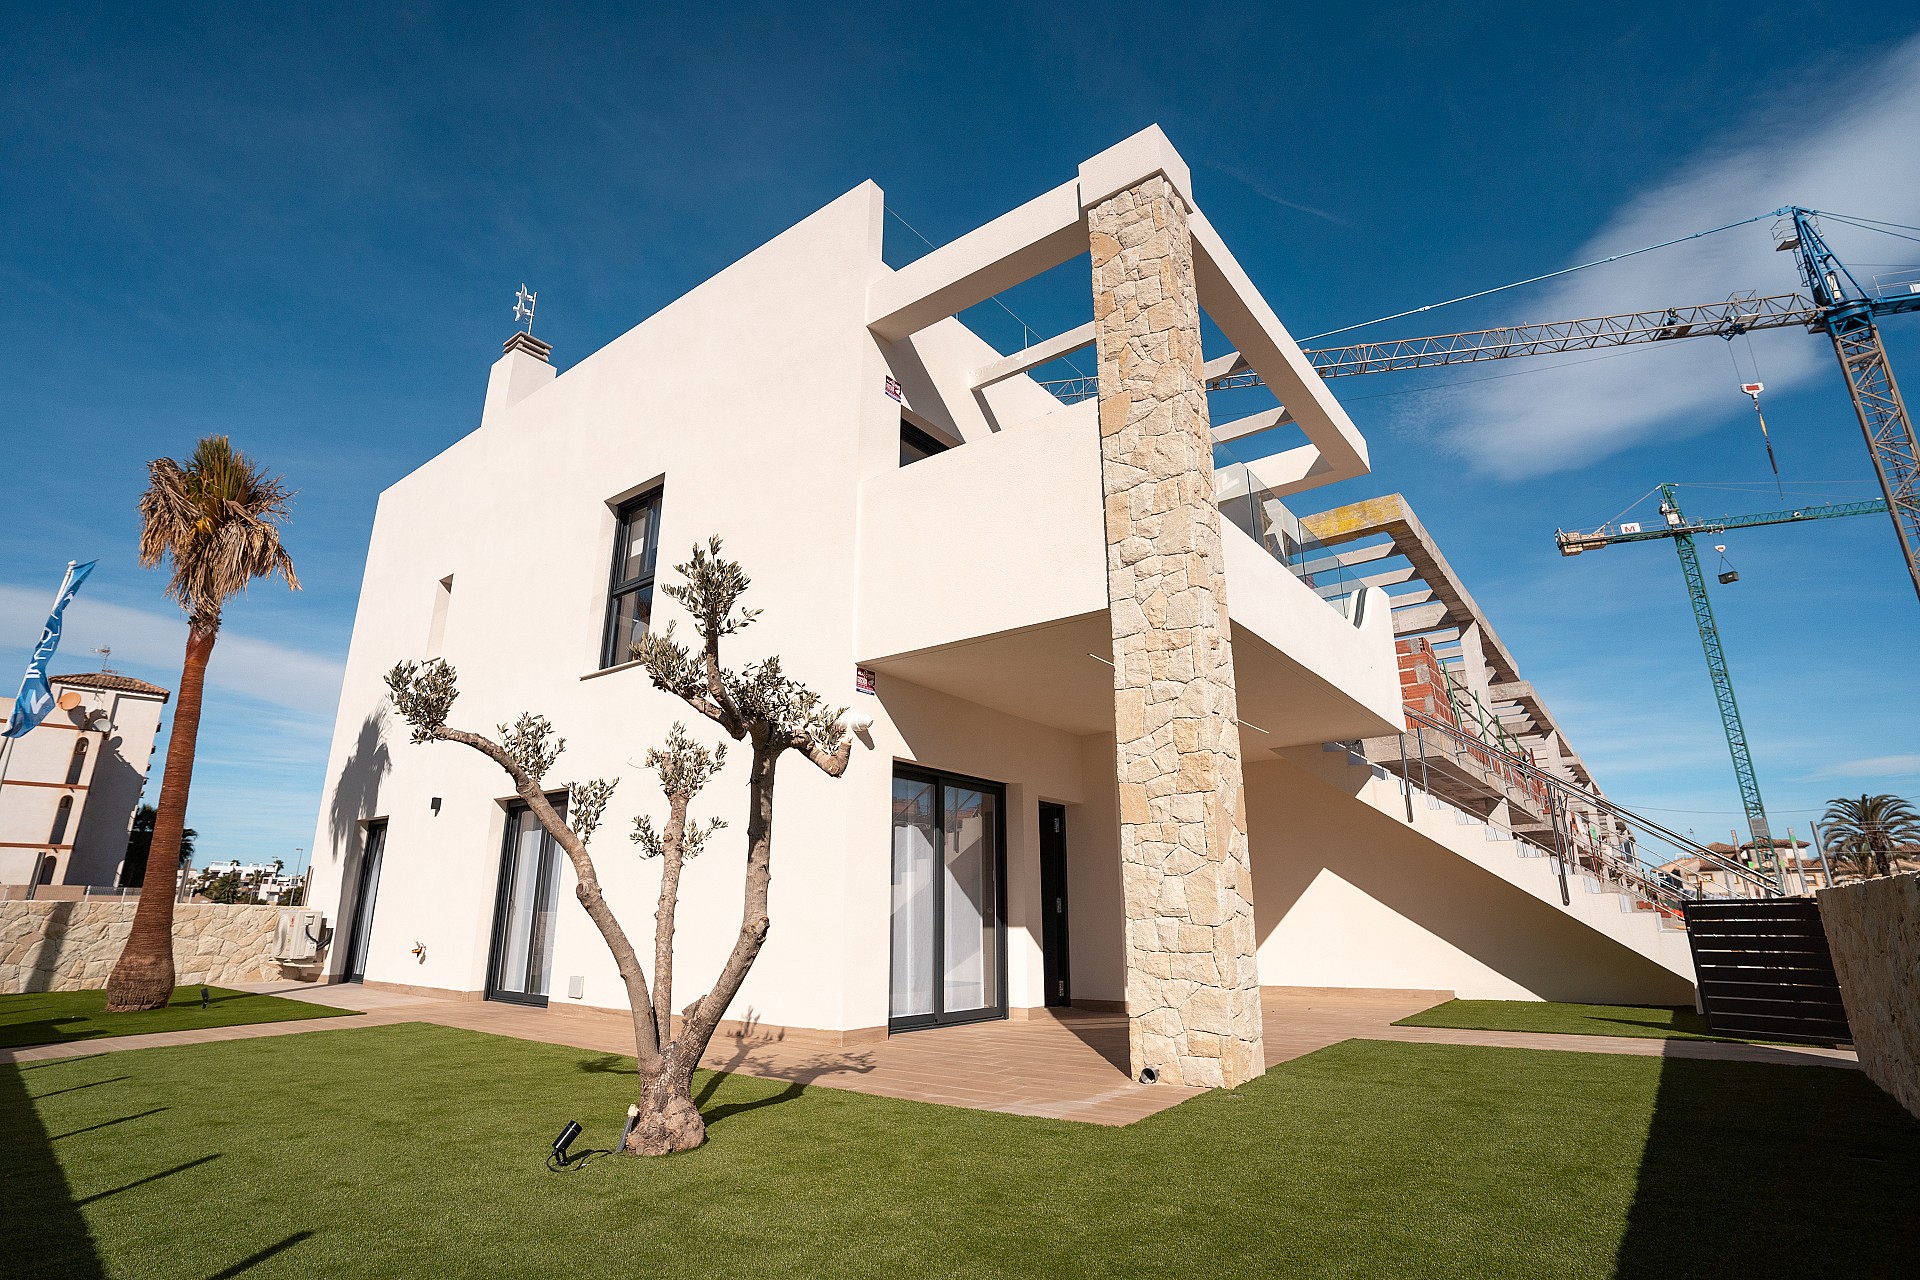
point(68, 700)
point(100, 721)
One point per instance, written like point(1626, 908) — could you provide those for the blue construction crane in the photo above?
point(1848, 314)
point(1840, 307)
point(1682, 531)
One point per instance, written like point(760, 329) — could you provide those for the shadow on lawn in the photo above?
point(38, 1215)
point(1758, 1169)
point(747, 1055)
point(70, 1028)
point(1675, 1030)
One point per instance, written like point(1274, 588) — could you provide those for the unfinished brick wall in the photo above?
point(1193, 987)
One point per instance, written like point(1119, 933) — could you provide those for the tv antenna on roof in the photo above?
point(523, 306)
point(105, 652)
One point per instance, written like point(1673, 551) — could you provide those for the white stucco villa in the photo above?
point(1073, 661)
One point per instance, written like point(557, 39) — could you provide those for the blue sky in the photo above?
point(304, 229)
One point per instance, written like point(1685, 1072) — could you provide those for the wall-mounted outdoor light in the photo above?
point(434, 804)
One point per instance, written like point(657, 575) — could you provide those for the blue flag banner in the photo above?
point(36, 698)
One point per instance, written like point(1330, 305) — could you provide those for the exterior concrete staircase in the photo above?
point(1609, 908)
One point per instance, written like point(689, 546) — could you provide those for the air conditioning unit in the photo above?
point(298, 935)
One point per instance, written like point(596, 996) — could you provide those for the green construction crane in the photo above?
point(1683, 531)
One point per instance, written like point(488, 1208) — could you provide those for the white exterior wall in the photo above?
point(1349, 894)
point(753, 397)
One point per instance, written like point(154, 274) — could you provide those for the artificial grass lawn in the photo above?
point(56, 1017)
point(417, 1150)
point(1642, 1022)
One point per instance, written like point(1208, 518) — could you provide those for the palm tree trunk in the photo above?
point(143, 977)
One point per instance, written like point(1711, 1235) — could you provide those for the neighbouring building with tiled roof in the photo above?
point(69, 788)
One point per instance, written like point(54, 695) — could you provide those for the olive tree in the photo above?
point(758, 706)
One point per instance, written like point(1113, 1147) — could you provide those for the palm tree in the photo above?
point(1865, 831)
point(140, 840)
point(216, 521)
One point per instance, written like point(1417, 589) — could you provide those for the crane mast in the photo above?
point(1683, 532)
point(1717, 672)
point(1847, 314)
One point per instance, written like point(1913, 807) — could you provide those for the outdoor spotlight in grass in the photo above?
point(565, 1140)
point(205, 996)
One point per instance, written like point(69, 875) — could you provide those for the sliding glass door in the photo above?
point(523, 914)
point(949, 868)
point(366, 891)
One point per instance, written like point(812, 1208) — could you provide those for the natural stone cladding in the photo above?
point(1193, 987)
point(72, 946)
point(1873, 928)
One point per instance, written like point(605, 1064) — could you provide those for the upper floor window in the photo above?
point(77, 763)
point(636, 539)
point(916, 444)
point(437, 628)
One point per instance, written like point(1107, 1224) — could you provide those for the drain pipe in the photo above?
point(1406, 782)
point(1555, 804)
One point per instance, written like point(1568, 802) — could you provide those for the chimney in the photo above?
point(521, 370)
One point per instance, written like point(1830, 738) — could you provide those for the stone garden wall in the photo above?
point(72, 946)
point(1874, 929)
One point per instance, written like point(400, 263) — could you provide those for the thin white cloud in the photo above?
point(155, 643)
point(1895, 766)
point(1267, 193)
point(1842, 160)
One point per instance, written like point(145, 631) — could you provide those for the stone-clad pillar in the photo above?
point(1193, 987)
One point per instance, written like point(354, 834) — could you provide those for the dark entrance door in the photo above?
point(949, 898)
point(1055, 959)
point(366, 890)
point(524, 911)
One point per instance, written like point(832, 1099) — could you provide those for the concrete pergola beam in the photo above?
point(1419, 617)
point(1052, 228)
point(1252, 425)
point(1033, 357)
point(1231, 301)
point(1015, 247)
point(1392, 516)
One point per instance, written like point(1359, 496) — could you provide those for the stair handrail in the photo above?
point(1527, 768)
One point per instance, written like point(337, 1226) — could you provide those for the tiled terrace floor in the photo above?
point(1070, 1067)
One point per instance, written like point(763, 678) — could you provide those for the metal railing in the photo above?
point(1618, 854)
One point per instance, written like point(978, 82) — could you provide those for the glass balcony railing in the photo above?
point(1262, 517)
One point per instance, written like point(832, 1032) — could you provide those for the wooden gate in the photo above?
point(1764, 970)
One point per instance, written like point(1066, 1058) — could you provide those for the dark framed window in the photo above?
point(916, 444)
point(636, 543)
